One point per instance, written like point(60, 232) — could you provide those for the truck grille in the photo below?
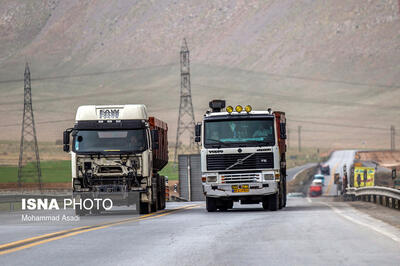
point(225, 161)
point(241, 178)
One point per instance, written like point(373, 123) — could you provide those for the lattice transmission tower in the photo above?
point(186, 120)
point(29, 161)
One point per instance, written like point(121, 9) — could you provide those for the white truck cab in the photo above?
point(242, 156)
point(116, 149)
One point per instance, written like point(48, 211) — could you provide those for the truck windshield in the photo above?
point(249, 132)
point(87, 141)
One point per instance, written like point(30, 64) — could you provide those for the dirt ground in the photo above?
point(390, 216)
point(34, 186)
point(387, 159)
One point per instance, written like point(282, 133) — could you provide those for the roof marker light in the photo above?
point(229, 109)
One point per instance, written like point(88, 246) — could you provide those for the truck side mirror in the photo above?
point(197, 132)
point(66, 140)
point(154, 138)
point(283, 131)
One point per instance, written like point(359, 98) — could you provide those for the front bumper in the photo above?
point(225, 190)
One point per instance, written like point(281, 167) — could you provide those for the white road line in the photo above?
point(376, 228)
point(309, 200)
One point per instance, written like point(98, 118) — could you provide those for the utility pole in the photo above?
point(29, 161)
point(186, 120)
point(392, 138)
point(299, 135)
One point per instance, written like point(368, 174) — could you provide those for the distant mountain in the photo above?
point(331, 65)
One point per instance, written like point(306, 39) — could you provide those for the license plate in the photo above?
point(240, 188)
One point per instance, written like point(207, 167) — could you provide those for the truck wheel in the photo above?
point(273, 202)
point(281, 200)
point(153, 206)
point(80, 212)
point(284, 193)
point(229, 204)
point(143, 207)
point(222, 205)
point(161, 194)
point(211, 204)
point(265, 203)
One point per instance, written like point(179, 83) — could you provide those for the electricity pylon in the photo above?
point(29, 161)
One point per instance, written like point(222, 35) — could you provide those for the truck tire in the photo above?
point(273, 202)
point(80, 212)
point(211, 204)
point(143, 208)
point(229, 204)
point(265, 203)
point(153, 206)
point(161, 194)
point(222, 205)
point(96, 211)
point(280, 199)
point(284, 192)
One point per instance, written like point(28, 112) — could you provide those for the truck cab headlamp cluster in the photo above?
point(212, 178)
point(248, 108)
point(239, 108)
point(269, 177)
point(229, 109)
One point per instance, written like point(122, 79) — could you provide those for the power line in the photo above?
point(65, 98)
point(43, 122)
point(337, 125)
point(287, 76)
point(88, 74)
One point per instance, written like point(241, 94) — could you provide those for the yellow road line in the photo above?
point(55, 233)
point(332, 178)
point(34, 241)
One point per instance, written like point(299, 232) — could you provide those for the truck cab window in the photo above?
point(87, 141)
point(250, 132)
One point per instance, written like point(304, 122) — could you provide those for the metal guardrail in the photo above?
point(385, 196)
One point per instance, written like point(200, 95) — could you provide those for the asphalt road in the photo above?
point(307, 232)
point(318, 231)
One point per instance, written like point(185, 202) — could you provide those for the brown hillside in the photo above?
point(326, 63)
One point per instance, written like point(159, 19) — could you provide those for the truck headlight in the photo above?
point(212, 178)
point(268, 177)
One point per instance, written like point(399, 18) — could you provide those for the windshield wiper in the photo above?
point(258, 143)
point(216, 140)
